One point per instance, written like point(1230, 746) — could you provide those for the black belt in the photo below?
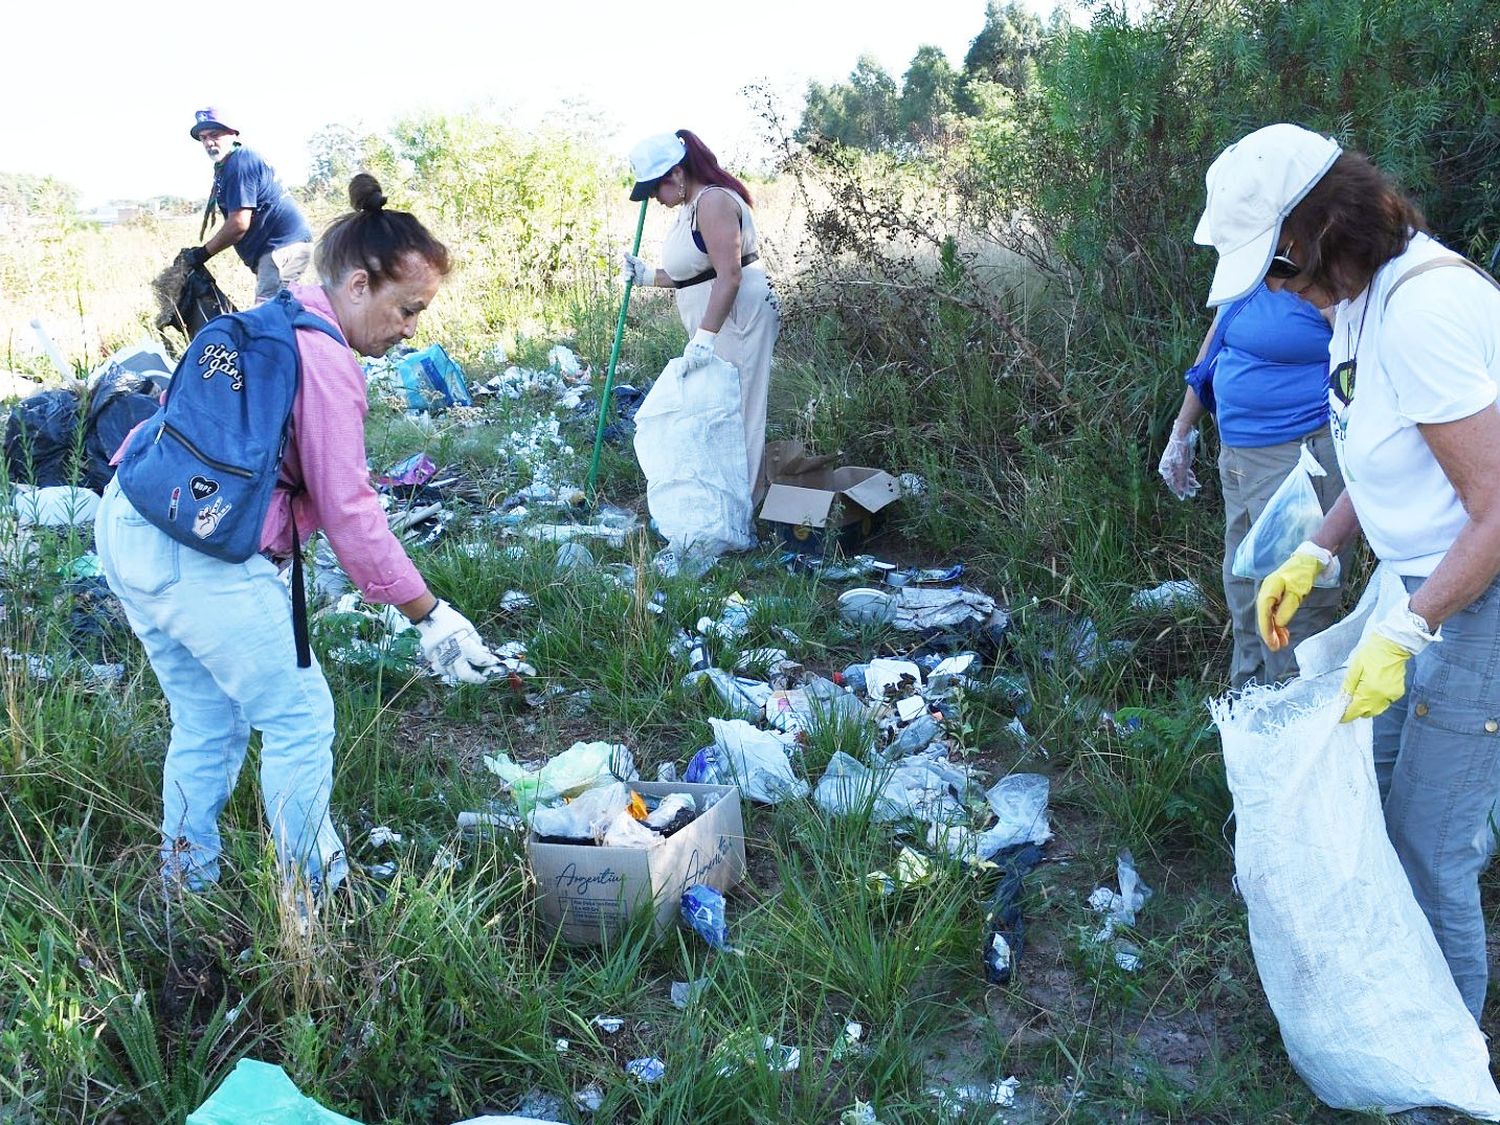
point(711, 273)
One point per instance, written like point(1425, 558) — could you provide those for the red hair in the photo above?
point(702, 165)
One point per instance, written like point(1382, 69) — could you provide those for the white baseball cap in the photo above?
point(1252, 186)
point(652, 159)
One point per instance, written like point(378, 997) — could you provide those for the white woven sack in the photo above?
point(690, 441)
point(1368, 1011)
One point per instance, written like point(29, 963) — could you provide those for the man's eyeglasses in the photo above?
point(1283, 268)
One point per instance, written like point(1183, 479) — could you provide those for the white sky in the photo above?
point(101, 94)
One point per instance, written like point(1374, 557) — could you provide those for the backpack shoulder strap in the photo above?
point(299, 316)
point(1435, 263)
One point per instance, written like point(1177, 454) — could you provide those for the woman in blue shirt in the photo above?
point(1263, 373)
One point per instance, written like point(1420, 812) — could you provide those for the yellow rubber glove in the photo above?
point(1377, 670)
point(1281, 592)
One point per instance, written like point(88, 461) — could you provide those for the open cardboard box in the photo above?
point(589, 893)
point(809, 499)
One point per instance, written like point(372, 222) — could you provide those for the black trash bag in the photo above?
point(40, 438)
point(121, 399)
point(190, 302)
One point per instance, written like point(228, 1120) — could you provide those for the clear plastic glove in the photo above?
point(636, 271)
point(1282, 591)
point(1176, 465)
point(700, 349)
point(453, 648)
point(1377, 670)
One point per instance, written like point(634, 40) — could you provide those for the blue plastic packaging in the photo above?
point(432, 380)
point(703, 911)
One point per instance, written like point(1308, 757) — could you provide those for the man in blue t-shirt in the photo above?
point(261, 221)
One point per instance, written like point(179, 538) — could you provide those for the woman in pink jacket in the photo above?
point(219, 635)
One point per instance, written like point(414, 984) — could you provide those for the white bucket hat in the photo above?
point(652, 159)
point(1252, 186)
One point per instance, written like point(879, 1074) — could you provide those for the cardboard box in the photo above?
point(810, 501)
point(589, 893)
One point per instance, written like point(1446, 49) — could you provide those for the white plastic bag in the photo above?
point(690, 441)
point(1289, 517)
point(1368, 1010)
point(757, 760)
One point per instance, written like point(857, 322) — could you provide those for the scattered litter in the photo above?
point(911, 869)
point(961, 1100)
point(582, 766)
point(685, 992)
point(857, 567)
point(567, 532)
point(431, 380)
point(513, 601)
point(1120, 908)
point(1004, 924)
point(57, 505)
point(848, 786)
point(260, 1092)
point(539, 1105)
point(1179, 594)
point(1020, 805)
point(741, 1050)
point(884, 676)
point(852, 1042)
point(446, 859)
point(646, 1070)
point(416, 470)
point(474, 821)
point(703, 910)
point(745, 697)
point(866, 606)
point(925, 576)
point(861, 1113)
point(381, 836)
point(573, 556)
point(590, 1099)
point(608, 1024)
point(564, 361)
point(756, 760)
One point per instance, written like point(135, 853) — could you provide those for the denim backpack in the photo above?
point(203, 468)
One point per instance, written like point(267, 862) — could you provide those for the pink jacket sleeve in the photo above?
point(327, 455)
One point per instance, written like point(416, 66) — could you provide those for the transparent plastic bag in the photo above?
point(1290, 517)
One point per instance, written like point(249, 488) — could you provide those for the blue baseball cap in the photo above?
point(208, 118)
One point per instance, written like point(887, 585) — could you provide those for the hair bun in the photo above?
point(365, 193)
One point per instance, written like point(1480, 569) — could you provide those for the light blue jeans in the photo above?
point(1437, 761)
point(219, 637)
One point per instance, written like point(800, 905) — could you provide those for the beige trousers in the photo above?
point(280, 268)
point(1248, 477)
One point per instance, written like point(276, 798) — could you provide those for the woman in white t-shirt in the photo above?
point(1415, 364)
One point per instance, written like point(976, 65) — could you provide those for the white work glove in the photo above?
point(453, 648)
point(636, 271)
point(1176, 465)
point(699, 351)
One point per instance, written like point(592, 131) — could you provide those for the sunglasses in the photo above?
point(1283, 268)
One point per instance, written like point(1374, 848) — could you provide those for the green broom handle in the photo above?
point(614, 358)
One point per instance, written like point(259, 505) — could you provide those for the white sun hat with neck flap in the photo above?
point(1252, 186)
